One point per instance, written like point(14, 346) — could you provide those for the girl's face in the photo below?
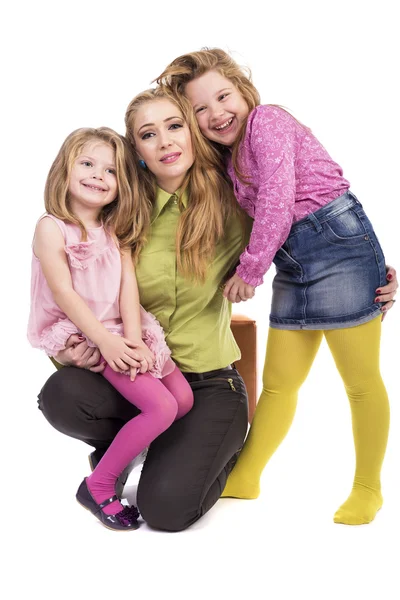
point(219, 107)
point(163, 141)
point(93, 180)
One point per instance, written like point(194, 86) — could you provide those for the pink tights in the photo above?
point(161, 401)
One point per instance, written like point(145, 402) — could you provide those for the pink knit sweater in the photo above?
point(291, 176)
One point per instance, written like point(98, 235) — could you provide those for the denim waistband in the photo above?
point(329, 211)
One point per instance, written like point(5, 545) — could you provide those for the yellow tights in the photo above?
point(289, 357)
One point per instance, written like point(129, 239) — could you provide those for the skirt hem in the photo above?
point(320, 324)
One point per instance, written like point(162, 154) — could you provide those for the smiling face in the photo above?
point(219, 107)
point(93, 181)
point(162, 139)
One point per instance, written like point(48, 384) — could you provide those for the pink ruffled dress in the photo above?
point(95, 268)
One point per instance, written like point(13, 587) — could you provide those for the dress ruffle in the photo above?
point(82, 254)
point(163, 364)
point(153, 337)
point(54, 339)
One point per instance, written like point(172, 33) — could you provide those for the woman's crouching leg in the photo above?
point(187, 466)
point(83, 405)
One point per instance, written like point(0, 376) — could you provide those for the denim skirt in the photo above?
point(328, 269)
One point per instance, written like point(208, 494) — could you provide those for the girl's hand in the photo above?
point(237, 290)
point(77, 353)
point(119, 352)
point(146, 361)
point(387, 292)
point(147, 357)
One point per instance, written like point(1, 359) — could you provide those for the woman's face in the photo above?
point(163, 141)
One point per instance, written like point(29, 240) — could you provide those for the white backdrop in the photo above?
point(75, 64)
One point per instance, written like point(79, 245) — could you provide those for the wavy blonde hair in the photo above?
point(211, 201)
point(190, 66)
point(128, 216)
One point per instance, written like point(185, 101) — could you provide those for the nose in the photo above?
point(165, 139)
point(216, 111)
point(97, 174)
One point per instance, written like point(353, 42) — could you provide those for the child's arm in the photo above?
point(272, 140)
point(129, 306)
point(49, 248)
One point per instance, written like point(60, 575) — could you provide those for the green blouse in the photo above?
point(195, 317)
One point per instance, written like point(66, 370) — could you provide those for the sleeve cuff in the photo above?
point(247, 277)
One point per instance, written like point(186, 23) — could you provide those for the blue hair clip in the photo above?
point(142, 164)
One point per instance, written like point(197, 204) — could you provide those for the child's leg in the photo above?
point(356, 353)
point(181, 391)
point(159, 409)
point(289, 357)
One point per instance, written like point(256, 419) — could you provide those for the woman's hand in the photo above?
point(237, 290)
point(77, 353)
point(387, 292)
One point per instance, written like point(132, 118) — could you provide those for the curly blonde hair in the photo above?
point(128, 216)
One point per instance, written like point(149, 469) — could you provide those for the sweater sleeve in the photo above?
point(271, 140)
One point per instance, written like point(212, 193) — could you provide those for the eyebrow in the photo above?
point(86, 157)
point(165, 121)
point(216, 93)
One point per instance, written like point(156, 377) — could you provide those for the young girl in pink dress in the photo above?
point(83, 282)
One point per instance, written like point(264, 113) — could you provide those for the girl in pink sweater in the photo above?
point(329, 268)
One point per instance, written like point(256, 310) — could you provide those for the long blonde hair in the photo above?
point(190, 66)
point(211, 201)
point(128, 216)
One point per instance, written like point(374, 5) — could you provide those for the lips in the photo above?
point(170, 158)
point(223, 126)
point(95, 188)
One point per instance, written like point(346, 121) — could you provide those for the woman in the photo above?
point(187, 466)
point(195, 238)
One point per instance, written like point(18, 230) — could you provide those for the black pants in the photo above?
point(187, 466)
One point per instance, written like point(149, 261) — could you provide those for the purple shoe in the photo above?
point(125, 520)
